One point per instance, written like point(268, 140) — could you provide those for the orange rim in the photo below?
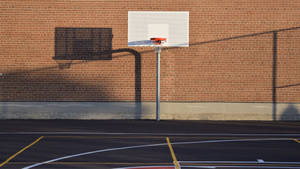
point(158, 40)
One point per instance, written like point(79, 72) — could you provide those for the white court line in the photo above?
point(236, 140)
point(150, 145)
point(242, 167)
point(143, 167)
point(218, 162)
point(260, 161)
point(160, 166)
point(92, 152)
point(237, 162)
point(153, 134)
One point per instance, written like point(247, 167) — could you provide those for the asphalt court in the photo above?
point(117, 144)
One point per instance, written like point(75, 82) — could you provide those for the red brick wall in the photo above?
point(227, 61)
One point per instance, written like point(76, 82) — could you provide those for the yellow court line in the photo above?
point(131, 137)
point(108, 137)
point(172, 153)
point(19, 152)
point(298, 141)
point(91, 163)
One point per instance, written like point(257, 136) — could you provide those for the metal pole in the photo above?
point(157, 51)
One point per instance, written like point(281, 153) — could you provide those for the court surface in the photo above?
point(64, 144)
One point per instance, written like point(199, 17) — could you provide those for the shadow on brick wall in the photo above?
point(46, 86)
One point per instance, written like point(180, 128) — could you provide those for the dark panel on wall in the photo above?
point(83, 43)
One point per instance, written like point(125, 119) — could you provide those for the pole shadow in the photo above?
point(290, 113)
point(274, 77)
point(137, 79)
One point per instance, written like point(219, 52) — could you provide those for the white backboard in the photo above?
point(173, 25)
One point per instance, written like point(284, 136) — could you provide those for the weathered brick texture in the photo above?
point(230, 59)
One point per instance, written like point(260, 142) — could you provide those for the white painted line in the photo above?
point(153, 134)
point(92, 152)
point(218, 162)
point(236, 162)
point(274, 167)
point(200, 167)
point(260, 161)
point(143, 167)
point(160, 166)
point(149, 145)
point(235, 140)
point(269, 162)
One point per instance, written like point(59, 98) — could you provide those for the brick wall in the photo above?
point(230, 58)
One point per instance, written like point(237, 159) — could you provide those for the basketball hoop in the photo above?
point(158, 41)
